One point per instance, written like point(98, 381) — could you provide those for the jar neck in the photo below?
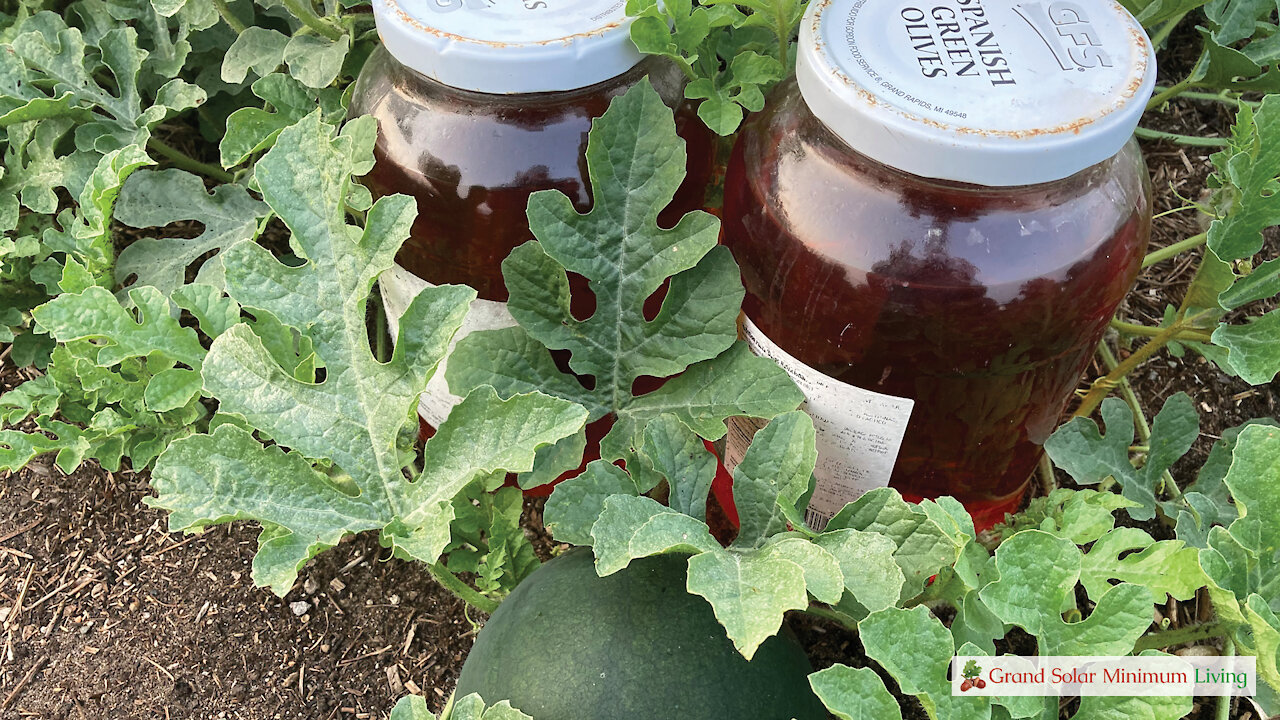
point(899, 176)
point(663, 74)
point(649, 65)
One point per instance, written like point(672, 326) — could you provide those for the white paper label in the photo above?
point(858, 431)
point(399, 288)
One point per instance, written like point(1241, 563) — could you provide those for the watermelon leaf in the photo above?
point(854, 693)
point(1038, 575)
point(1090, 457)
point(471, 707)
point(358, 415)
point(636, 162)
point(157, 198)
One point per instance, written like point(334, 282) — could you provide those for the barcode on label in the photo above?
point(817, 520)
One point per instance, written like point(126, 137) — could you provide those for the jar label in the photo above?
point(859, 432)
point(399, 288)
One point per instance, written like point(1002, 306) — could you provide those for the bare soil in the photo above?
point(117, 618)
point(1179, 176)
point(105, 614)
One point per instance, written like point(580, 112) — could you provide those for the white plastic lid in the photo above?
point(509, 46)
point(978, 91)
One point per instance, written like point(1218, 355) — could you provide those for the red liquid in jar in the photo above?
point(983, 305)
point(472, 160)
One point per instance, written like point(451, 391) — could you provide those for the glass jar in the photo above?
point(935, 224)
point(479, 107)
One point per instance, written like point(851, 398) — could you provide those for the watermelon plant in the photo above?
point(471, 707)
point(246, 364)
point(646, 634)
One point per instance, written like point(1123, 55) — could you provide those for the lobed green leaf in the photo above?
point(356, 416)
point(1038, 576)
point(749, 592)
point(1090, 457)
point(157, 198)
point(636, 162)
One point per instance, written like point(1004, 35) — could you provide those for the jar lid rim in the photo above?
point(990, 93)
point(509, 46)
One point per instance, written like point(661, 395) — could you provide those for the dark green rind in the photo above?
point(568, 645)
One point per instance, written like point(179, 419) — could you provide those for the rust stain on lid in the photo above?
point(413, 22)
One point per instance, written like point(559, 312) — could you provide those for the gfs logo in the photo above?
point(1064, 27)
point(444, 6)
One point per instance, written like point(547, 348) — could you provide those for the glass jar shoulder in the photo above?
point(858, 213)
point(491, 141)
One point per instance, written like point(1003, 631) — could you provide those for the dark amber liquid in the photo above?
point(984, 305)
point(472, 160)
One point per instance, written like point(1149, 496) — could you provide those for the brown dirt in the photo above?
point(121, 619)
point(1179, 175)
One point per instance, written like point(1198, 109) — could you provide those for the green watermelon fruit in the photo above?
point(569, 645)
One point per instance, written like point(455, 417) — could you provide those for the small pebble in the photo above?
point(300, 607)
point(310, 586)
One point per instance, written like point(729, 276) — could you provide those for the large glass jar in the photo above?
point(478, 107)
point(935, 223)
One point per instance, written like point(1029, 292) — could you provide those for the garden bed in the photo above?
point(106, 614)
point(124, 620)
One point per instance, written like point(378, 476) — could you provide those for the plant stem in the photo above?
point(1148, 331)
point(1214, 97)
point(349, 22)
point(784, 40)
point(380, 327)
point(1171, 211)
point(1224, 702)
point(302, 10)
point(232, 21)
point(1164, 253)
point(181, 160)
point(1168, 94)
point(832, 615)
point(1179, 636)
point(448, 706)
point(465, 592)
point(1192, 140)
point(262, 226)
point(686, 67)
point(1165, 30)
point(1103, 386)
point(1045, 470)
point(1170, 486)
point(1130, 397)
point(1139, 419)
